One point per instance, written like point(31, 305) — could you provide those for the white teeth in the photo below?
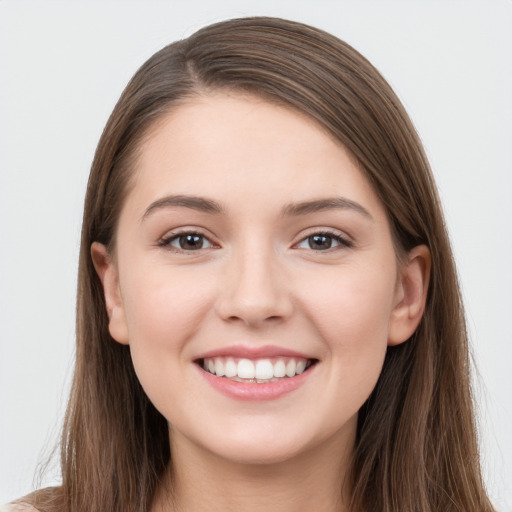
point(279, 369)
point(230, 368)
point(261, 370)
point(301, 366)
point(290, 368)
point(264, 369)
point(246, 369)
point(219, 368)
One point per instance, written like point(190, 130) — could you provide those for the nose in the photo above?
point(254, 290)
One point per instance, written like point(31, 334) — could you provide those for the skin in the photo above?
point(257, 281)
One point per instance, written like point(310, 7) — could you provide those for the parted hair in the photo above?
point(416, 448)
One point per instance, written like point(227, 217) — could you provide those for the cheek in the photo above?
point(163, 314)
point(353, 303)
point(351, 313)
point(163, 307)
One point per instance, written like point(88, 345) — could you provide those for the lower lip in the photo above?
point(252, 391)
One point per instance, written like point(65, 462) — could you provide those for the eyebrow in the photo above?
point(320, 205)
point(206, 205)
point(201, 204)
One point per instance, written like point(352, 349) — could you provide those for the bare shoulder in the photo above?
point(17, 507)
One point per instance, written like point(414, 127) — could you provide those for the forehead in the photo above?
point(234, 146)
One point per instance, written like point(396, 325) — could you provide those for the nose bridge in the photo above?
point(254, 289)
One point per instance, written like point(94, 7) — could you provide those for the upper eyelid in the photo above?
point(333, 232)
point(172, 235)
point(325, 231)
point(345, 241)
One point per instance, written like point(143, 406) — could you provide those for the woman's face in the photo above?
point(252, 245)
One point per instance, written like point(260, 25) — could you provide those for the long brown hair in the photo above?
point(416, 443)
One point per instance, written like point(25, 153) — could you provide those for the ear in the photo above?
point(410, 296)
point(109, 276)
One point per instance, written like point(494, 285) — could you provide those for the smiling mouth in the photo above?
point(258, 371)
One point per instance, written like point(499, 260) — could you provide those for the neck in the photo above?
point(314, 480)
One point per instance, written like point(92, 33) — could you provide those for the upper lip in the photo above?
point(252, 352)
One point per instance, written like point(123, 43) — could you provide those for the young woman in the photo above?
point(268, 310)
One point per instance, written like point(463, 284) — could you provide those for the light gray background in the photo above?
point(63, 66)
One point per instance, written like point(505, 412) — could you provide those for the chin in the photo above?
point(261, 444)
point(258, 455)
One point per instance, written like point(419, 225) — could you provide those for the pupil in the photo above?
point(320, 242)
point(191, 241)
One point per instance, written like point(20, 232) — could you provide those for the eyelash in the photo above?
point(166, 242)
point(335, 236)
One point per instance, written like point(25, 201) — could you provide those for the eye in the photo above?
point(323, 242)
point(187, 242)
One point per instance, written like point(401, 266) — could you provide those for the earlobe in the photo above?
point(109, 277)
point(411, 295)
